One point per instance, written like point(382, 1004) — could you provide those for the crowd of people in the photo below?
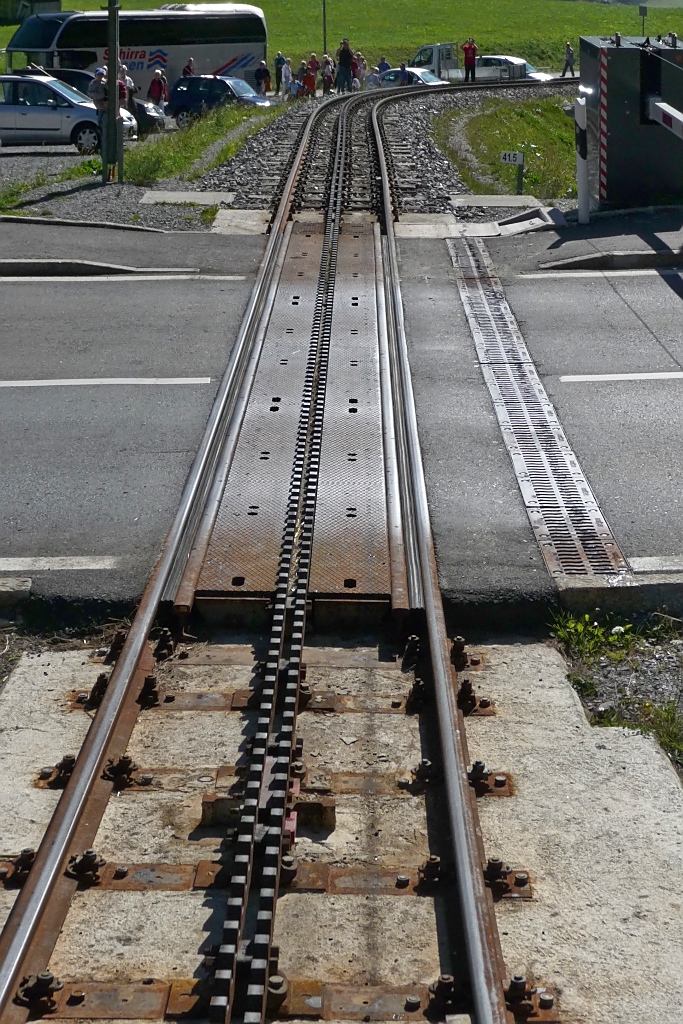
point(345, 71)
point(157, 93)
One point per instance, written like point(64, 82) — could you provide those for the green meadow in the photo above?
point(535, 29)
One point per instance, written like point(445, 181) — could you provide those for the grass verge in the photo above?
point(539, 128)
point(171, 155)
point(594, 647)
point(175, 153)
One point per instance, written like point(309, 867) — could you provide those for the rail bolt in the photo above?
point(412, 1003)
point(289, 866)
point(278, 987)
point(517, 987)
point(546, 1001)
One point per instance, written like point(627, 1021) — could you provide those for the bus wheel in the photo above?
point(86, 138)
point(184, 118)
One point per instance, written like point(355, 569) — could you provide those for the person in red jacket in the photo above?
point(470, 51)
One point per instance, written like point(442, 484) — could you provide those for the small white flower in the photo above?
point(617, 630)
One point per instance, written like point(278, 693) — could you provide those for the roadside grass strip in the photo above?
point(537, 127)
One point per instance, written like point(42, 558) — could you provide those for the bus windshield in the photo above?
point(38, 32)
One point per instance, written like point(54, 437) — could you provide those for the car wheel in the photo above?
point(86, 138)
point(184, 118)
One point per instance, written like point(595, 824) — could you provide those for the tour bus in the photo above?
point(223, 39)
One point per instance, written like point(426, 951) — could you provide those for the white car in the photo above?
point(418, 76)
point(36, 110)
point(503, 66)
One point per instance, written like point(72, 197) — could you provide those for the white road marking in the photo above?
point(42, 563)
point(590, 378)
point(667, 563)
point(84, 381)
point(645, 272)
point(122, 278)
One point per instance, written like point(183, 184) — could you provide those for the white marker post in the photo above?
point(511, 158)
point(581, 160)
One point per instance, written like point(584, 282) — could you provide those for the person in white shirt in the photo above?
point(286, 78)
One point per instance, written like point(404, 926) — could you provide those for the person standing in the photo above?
point(97, 91)
point(131, 89)
point(345, 61)
point(405, 77)
point(188, 70)
point(470, 50)
point(327, 73)
point(383, 65)
point(262, 78)
point(372, 80)
point(286, 78)
point(278, 64)
point(568, 60)
point(158, 89)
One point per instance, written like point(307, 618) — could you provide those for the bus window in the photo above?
point(79, 60)
point(162, 31)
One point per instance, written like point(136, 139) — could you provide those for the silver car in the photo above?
point(37, 110)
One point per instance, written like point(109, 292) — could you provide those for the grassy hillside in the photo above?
point(535, 29)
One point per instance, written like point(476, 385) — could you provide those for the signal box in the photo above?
point(632, 159)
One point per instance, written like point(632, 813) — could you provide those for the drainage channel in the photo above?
point(571, 531)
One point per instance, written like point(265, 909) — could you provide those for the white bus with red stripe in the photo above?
point(222, 39)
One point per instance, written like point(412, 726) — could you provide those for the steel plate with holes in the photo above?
point(243, 552)
point(569, 526)
point(350, 544)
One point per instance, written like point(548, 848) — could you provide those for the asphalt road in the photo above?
point(97, 470)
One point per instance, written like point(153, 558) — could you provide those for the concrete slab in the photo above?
point(190, 739)
point(241, 222)
point(360, 742)
point(37, 730)
point(128, 936)
point(389, 830)
point(153, 826)
point(358, 939)
point(597, 820)
point(197, 198)
point(13, 590)
point(496, 201)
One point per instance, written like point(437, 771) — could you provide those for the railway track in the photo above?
point(315, 746)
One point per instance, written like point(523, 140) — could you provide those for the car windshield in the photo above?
point(429, 77)
point(241, 88)
point(529, 68)
point(68, 92)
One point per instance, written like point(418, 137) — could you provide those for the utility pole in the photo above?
point(112, 122)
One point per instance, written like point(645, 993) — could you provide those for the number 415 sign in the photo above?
point(510, 157)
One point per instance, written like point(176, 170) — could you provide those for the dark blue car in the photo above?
point(190, 97)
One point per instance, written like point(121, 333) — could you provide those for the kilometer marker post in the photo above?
point(515, 159)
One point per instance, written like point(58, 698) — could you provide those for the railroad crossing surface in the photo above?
point(596, 333)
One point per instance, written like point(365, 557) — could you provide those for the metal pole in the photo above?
point(324, 26)
point(581, 160)
point(520, 179)
point(112, 121)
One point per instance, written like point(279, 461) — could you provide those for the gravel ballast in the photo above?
point(425, 175)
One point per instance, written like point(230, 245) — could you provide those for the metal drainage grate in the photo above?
point(571, 531)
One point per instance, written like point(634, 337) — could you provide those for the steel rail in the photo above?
point(31, 904)
point(478, 920)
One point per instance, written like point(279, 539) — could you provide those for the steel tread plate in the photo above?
point(247, 534)
point(571, 531)
point(350, 541)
